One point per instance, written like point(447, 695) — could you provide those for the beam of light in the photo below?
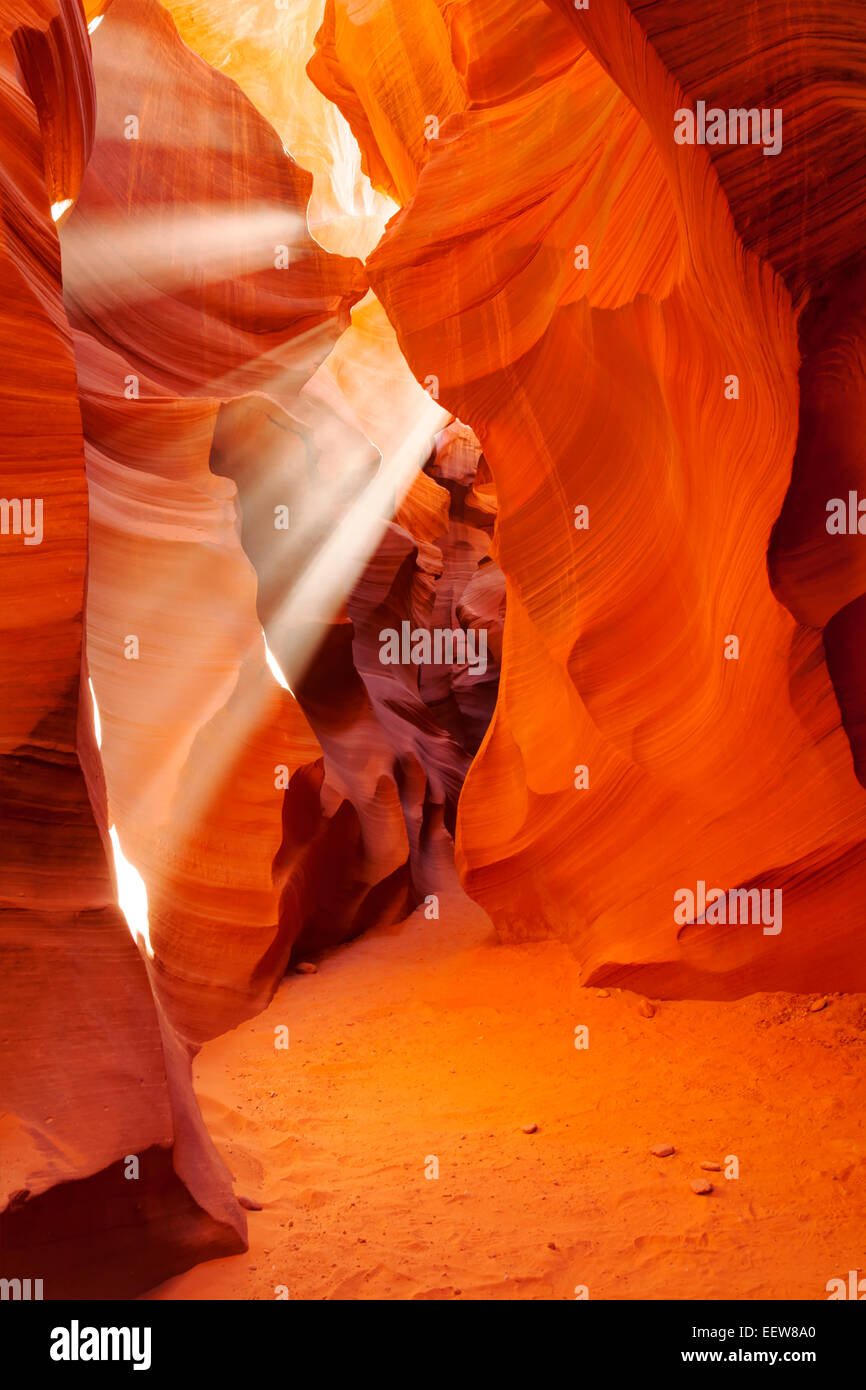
point(333, 537)
point(346, 214)
point(335, 553)
point(319, 592)
point(95, 23)
point(166, 251)
point(131, 890)
point(274, 667)
point(97, 722)
point(265, 49)
point(131, 895)
point(58, 209)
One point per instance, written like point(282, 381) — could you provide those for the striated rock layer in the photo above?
point(225, 469)
point(585, 312)
point(190, 280)
point(638, 378)
point(92, 1075)
point(803, 209)
point(222, 465)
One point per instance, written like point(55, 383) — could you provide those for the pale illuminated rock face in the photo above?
point(587, 394)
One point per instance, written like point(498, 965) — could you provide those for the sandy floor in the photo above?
point(429, 1039)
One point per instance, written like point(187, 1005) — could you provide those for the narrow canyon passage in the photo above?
point(432, 591)
point(428, 1040)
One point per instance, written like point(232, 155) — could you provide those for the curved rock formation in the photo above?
point(803, 210)
point(593, 419)
point(182, 304)
point(592, 343)
point(109, 1177)
point(235, 498)
point(264, 47)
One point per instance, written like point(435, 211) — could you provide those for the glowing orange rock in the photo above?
point(220, 490)
point(593, 315)
point(93, 1080)
point(801, 208)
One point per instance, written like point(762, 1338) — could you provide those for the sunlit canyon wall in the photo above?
point(322, 319)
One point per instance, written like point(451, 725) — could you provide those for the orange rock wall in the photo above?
point(91, 1073)
point(645, 370)
point(599, 380)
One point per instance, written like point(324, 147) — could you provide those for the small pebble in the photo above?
point(701, 1187)
point(818, 1005)
point(712, 1167)
point(646, 1009)
point(551, 1245)
point(249, 1204)
point(663, 1151)
point(306, 967)
point(602, 994)
point(530, 1129)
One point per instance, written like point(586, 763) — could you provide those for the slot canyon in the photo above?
point(433, 721)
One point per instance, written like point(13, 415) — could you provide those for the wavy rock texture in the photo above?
point(91, 1073)
point(818, 575)
point(598, 380)
point(575, 295)
point(393, 753)
point(471, 592)
point(198, 741)
point(202, 414)
point(804, 211)
point(194, 727)
point(264, 49)
point(435, 714)
point(208, 413)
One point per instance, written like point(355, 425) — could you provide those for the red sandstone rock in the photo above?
point(616, 659)
point(91, 1072)
point(577, 289)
